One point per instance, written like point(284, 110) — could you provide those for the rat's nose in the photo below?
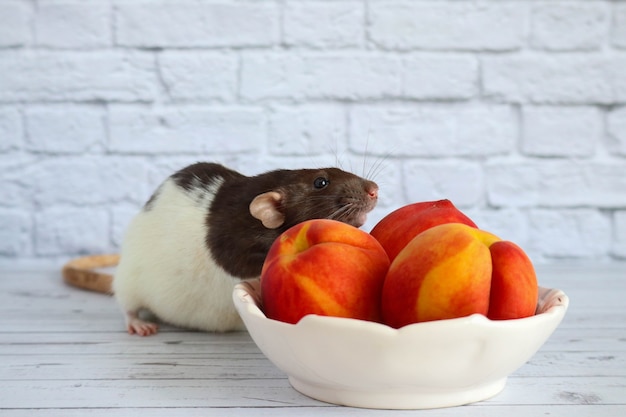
point(372, 191)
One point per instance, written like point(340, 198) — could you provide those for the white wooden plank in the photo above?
point(575, 364)
point(73, 367)
point(111, 342)
point(271, 393)
point(558, 390)
point(587, 339)
point(253, 366)
point(150, 393)
point(474, 410)
point(89, 342)
point(65, 316)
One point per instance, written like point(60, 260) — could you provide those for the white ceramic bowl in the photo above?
point(425, 365)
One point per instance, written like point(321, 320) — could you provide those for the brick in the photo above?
point(164, 165)
point(65, 129)
point(88, 180)
point(618, 29)
point(561, 131)
point(251, 164)
point(324, 25)
point(306, 130)
point(440, 77)
point(188, 24)
point(460, 182)
point(92, 75)
point(69, 230)
point(575, 233)
point(186, 129)
point(199, 75)
point(570, 26)
point(447, 25)
point(508, 224)
point(376, 215)
point(73, 25)
point(319, 76)
point(15, 179)
point(120, 219)
point(15, 232)
point(618, 246)
point(433, 130)
point(562, 78)
point(15, 24)
point(388, 175)
point(617, 130)
point(559, 183)
point(10, 129)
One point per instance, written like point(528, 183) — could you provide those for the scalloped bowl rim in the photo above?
point(423, 365)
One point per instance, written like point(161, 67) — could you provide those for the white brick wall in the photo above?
point(197, 24)
point(569, 26)
point(448, 25)
point(73, 25)
point(514, 110)
point(544, 128)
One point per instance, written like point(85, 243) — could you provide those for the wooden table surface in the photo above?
point(64, 352)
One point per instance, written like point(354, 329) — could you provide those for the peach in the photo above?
point(397, 229)
point(514, 288)
point(323, 267)
point(455, 270)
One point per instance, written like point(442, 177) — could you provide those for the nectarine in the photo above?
point(397, 228)
point(454, 270)
point(323, 267)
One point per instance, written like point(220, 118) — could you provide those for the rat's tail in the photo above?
point(83, 272)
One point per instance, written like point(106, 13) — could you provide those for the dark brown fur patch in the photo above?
point(202, 173)
point(239, 242)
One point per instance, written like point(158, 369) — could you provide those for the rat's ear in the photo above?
point(265, 208)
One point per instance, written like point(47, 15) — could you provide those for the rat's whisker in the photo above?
point(379, 166)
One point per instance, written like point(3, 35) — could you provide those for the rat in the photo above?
point(207, 228)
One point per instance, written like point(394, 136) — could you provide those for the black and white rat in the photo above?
point(208, 227)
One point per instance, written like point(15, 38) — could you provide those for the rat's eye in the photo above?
point(320, 182)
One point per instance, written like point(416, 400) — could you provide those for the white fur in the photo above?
point(165, 265)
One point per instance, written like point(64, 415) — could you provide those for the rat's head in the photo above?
point(304, 194)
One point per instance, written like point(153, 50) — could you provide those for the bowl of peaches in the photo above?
point(425, 311)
